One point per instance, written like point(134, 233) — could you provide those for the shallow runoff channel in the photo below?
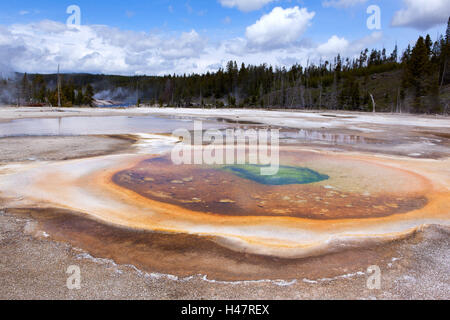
point(109, 125)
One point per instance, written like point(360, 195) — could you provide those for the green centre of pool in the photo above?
point(286, 175)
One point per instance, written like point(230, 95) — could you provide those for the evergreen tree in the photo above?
point(89, 95)
point(428, 44)
point(25, 89)
point(447, 33)
point(418, 67)
point(394, 56)
point(446, 57)
point(79, 97)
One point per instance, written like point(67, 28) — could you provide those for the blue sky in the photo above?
point(164, 36)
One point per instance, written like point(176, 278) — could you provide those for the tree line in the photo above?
point(415, 80)
point(33, 90)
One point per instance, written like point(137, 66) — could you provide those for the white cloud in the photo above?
point(245, 5)
point(333, 46)
point(39, 47)
point(302, 52)
point(342, 46)
point(422, 14)
point(342, 3)
point(280, 27)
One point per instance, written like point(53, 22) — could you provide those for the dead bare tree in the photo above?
point(59, 89)
point(373, 102)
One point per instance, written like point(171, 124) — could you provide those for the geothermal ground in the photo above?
point(97, 189)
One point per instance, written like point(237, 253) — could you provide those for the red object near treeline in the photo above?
point(35, 105)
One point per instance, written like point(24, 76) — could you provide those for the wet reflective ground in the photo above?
point(411, 143)
point(72, 126)
point(407, 141)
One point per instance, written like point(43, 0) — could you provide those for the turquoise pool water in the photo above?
point(286, 175)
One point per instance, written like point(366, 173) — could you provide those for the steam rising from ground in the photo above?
point(118, 94)
point(8, 86)
point(8, 90)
